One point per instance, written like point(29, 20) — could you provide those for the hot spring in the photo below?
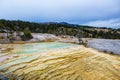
point(39, 47)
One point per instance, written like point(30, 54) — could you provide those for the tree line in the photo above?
point(58, 29)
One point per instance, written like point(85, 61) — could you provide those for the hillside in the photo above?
point(60, 29)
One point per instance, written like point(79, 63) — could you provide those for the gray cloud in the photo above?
point(106, 23)
point(74, 11)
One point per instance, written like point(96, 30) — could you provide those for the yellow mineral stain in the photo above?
point(73, 63)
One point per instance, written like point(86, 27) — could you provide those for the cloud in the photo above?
point(73, 11)
point(112, 23)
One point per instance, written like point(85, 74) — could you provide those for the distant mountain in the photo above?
point(64, 23)
point(78, 25)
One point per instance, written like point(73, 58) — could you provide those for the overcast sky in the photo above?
point(89, 12)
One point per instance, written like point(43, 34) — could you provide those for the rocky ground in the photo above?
point(40, 37)
point(71, 63)
point(106, 45)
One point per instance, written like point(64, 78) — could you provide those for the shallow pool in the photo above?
point(40, 47)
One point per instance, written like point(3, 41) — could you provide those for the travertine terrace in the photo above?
point(71, 63)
